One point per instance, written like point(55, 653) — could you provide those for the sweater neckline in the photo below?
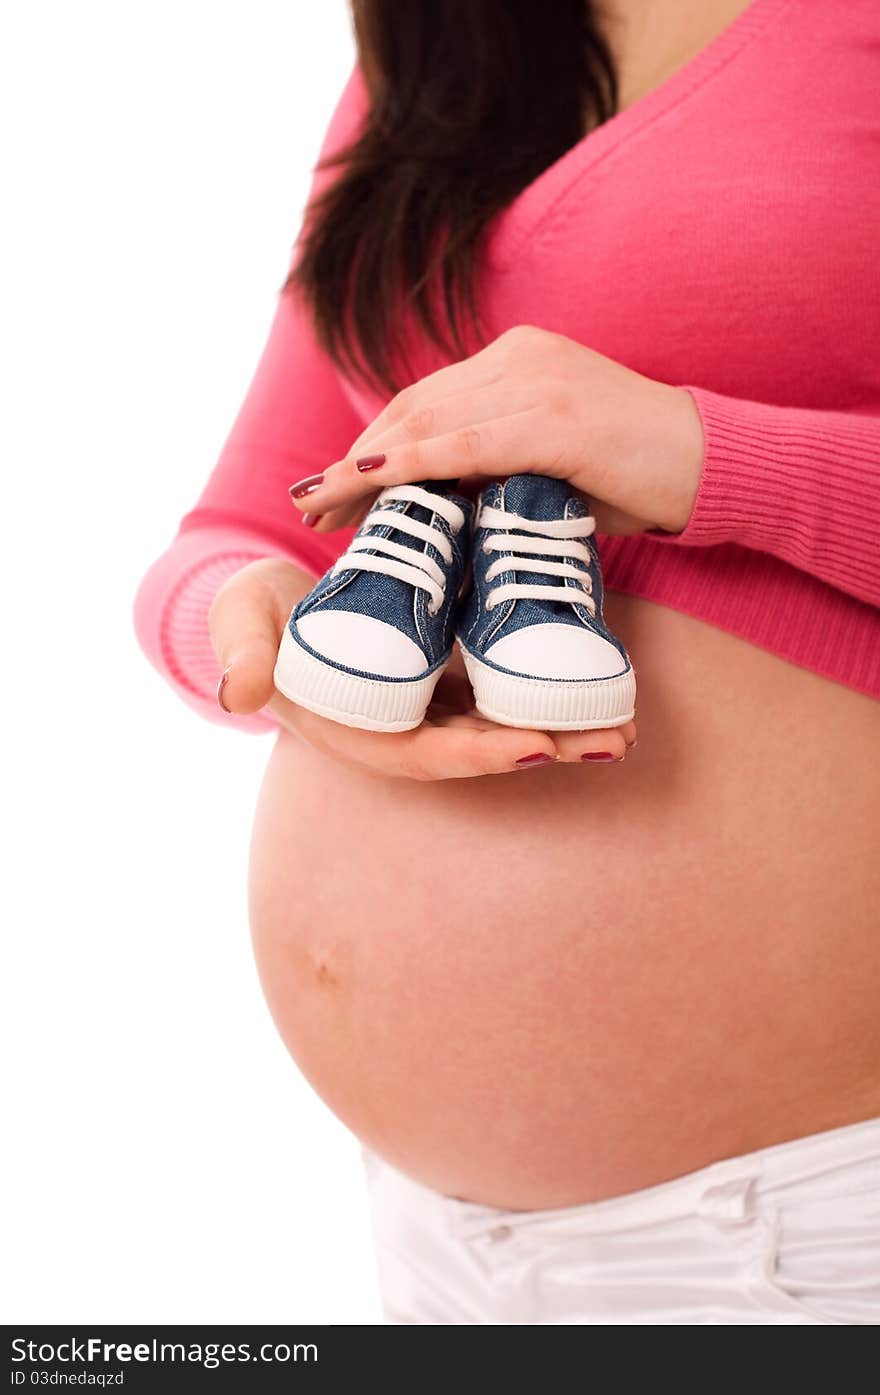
point(533, 208)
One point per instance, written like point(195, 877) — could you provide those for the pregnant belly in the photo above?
point(564, 983)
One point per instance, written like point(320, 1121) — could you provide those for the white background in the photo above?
point(163, 1159)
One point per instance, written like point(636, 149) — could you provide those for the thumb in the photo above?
point(245, 632)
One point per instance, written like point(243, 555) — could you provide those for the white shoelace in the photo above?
point(408, 564)
point(556, 539)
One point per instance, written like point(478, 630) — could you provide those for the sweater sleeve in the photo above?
point(295, 420)
point(800, 484)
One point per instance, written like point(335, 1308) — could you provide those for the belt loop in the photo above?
point(730, 1203)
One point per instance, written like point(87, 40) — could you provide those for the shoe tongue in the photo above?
point(443, 487)
point(539, 497)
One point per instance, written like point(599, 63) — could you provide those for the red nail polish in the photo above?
point(540, 759)
point(369, 462)
point(220, 686)
point(310, 519)
point(306, 486)
point(600, 755)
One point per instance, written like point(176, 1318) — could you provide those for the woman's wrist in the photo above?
point(678, 450)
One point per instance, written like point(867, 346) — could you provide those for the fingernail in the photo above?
point(220, 686)
point(599, 755)
point(310, 519)
point(369, 462)
point(306, 486)
point(630, 744)
point(541, 758)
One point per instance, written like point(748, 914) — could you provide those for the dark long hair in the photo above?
point(469, 100)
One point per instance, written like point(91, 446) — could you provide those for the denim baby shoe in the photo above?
point(367, 645)
point(535, 644)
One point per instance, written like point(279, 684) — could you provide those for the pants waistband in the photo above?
point(725, 1191)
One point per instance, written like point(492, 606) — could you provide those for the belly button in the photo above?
point(329, 962)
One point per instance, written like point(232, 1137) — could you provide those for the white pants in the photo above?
point(790, 1235)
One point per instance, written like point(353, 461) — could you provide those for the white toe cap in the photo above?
point(556, 651)
point(362, 642)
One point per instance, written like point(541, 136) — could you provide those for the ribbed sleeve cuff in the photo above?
point(187, 653)
point(171, 614)
point(752, 468)
point(801, 485)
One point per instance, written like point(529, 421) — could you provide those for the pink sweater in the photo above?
point(720, 234)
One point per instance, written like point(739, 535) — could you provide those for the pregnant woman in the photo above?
point(604, 1017)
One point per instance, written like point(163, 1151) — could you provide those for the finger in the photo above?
point(457, 747)
point(439, 419)
point(448, 751)
point(468, 374)
point(245, 634)
point(352, 516)
point(629, 734)
point(595, 747)
point(473, 404)
point(507, 445)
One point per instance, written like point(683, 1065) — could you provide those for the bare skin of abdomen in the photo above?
point(554, 986)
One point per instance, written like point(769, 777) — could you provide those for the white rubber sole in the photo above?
point(548, 704)
point(369, 703)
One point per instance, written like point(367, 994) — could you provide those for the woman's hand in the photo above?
point(531, 401)
point(247, 621)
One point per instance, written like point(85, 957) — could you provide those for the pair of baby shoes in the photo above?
point(516, 580)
